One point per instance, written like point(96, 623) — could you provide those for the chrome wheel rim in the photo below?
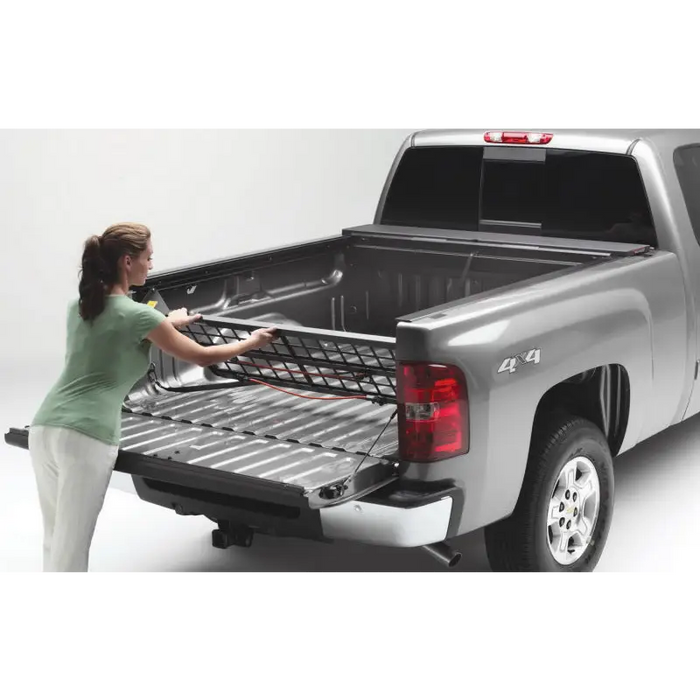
point(573, 510)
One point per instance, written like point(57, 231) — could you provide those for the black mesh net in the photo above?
point(343, 364)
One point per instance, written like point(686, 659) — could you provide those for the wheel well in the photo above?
point(600, 395)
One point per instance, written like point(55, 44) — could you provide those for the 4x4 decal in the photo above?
point(510, 364)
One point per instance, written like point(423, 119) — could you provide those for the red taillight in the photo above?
point(433, 412)
point(522, 137)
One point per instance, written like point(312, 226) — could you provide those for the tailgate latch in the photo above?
point(333, 491)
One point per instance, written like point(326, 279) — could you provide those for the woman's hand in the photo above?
point(263, 336)
point(180, 318)
point(166, 337)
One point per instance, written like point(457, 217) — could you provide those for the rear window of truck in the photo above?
point(687, 162)
point(544, 192)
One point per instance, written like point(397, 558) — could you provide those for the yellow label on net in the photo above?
point(153, 303)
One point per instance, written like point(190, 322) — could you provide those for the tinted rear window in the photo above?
point(572, 194)
point(687, 162)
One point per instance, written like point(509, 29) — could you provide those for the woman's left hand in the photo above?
point(180, 318)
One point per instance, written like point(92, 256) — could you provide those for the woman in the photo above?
point(74, 437)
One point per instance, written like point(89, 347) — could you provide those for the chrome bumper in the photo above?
point(387, 525)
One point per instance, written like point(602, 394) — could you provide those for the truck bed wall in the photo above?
point(628, 312)
point(354, 286)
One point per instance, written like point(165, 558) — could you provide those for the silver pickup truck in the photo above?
point(524, 308)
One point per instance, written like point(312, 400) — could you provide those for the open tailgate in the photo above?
point(198, 455)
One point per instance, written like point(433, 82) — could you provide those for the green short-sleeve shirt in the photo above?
point(104, 359)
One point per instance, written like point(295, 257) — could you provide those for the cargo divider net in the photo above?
point(329, 362)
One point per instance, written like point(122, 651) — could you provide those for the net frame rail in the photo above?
point(326, 362)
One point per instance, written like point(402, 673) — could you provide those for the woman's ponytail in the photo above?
point(92, 286)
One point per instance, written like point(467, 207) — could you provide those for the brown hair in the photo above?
point(100, 264)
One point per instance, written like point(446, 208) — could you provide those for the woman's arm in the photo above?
point(166, 337)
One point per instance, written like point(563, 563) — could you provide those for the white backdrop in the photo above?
point(204, 194)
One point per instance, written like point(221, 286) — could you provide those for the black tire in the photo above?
point(520, 542)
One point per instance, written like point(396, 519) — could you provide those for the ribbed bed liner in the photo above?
point(260, 432)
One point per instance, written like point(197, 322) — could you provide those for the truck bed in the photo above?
point(338, 303)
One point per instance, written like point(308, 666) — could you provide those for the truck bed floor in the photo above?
point(260, 432)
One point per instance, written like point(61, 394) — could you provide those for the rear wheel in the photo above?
point(562, 518)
